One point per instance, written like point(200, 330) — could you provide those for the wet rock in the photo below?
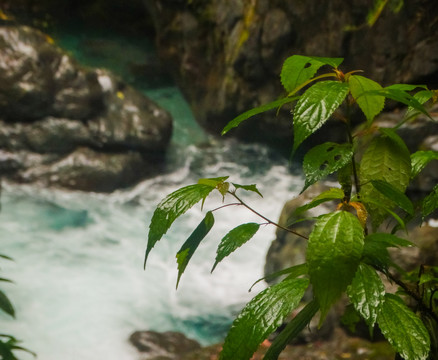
point(226, 55)
point(68, 126)
point(163, 346)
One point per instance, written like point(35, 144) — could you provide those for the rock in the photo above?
point(226, 55)
point(64, 125)
point(340, 347)
point(163, 346)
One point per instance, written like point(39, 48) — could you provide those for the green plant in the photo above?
point(8, 343)
point(346, 248)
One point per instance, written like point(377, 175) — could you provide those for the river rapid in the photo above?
point(79, 286)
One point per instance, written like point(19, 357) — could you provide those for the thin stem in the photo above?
point(266, 219)
point(413, 295)
point(353, 163)
point(226, 205)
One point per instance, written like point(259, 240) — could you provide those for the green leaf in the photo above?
point(213, 182)
point(260, 317)
point(292, 330)
point(328, 195)
point(6, 305)
point(258, 110)
point(376, 254)
point(333, 254)
point(384, 159)
point(422, 97)
point(430, 202)
point(6, 257)
point(235, 239)
point(403, 329)
point(297, 69)
point(251, 187)
point(395, 195)
point(292, 272)
point(399, 95)
point(315, 107)
point(325, 159)
point(169, 209)
point(189, 247)
point(420, 159)
point(389, 240)
point(405, 87)
point(350, 318)
point(6, 280)
point(371, 105)
point(367, 293)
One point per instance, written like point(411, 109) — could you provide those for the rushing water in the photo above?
point(79, 286)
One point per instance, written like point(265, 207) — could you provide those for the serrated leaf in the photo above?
point(213, 182)
point(235, 239)
point(403, 329)
point(389, 240)
point(260, 317)
point(189, 247)
point(420, 159)
point(324, 159)
point(371, 105)
point(395, 195)
point(315, 107)
point(170, 208)
point(384, 159)
point(405, 87)
point(6, 305)
point(333, 254)
point(291, 272)
point(292, 330)
point(422, 97)
point(367, 293)
point(328, 195)
point(430, 202)
point(258, 110)
point(400, 96)
point(251, 187)
point(297, 69)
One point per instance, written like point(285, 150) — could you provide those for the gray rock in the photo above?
point(227, 55)
point(64, 125)
point(163, 346)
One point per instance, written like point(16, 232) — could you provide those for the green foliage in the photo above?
point(246, 334)
point(343, 254)
point(315, 107)
point(189, 247)
point(234, 239)
point(324, 160)
point(385, 160)
point(404, 330)
point(371, 105)
point(8, 343)
point(333, 254)
point(367, 293)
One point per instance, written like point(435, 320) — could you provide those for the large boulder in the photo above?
point(64, 125)
point(226, 55)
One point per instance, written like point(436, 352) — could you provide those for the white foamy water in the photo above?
point(80, 289)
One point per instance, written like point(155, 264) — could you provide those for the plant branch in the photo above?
point(265, 218)
point(413, 295)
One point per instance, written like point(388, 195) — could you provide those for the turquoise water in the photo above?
point(79, 285)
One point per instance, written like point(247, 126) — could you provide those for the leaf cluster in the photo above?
point(8, 343)
point(347, 253)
